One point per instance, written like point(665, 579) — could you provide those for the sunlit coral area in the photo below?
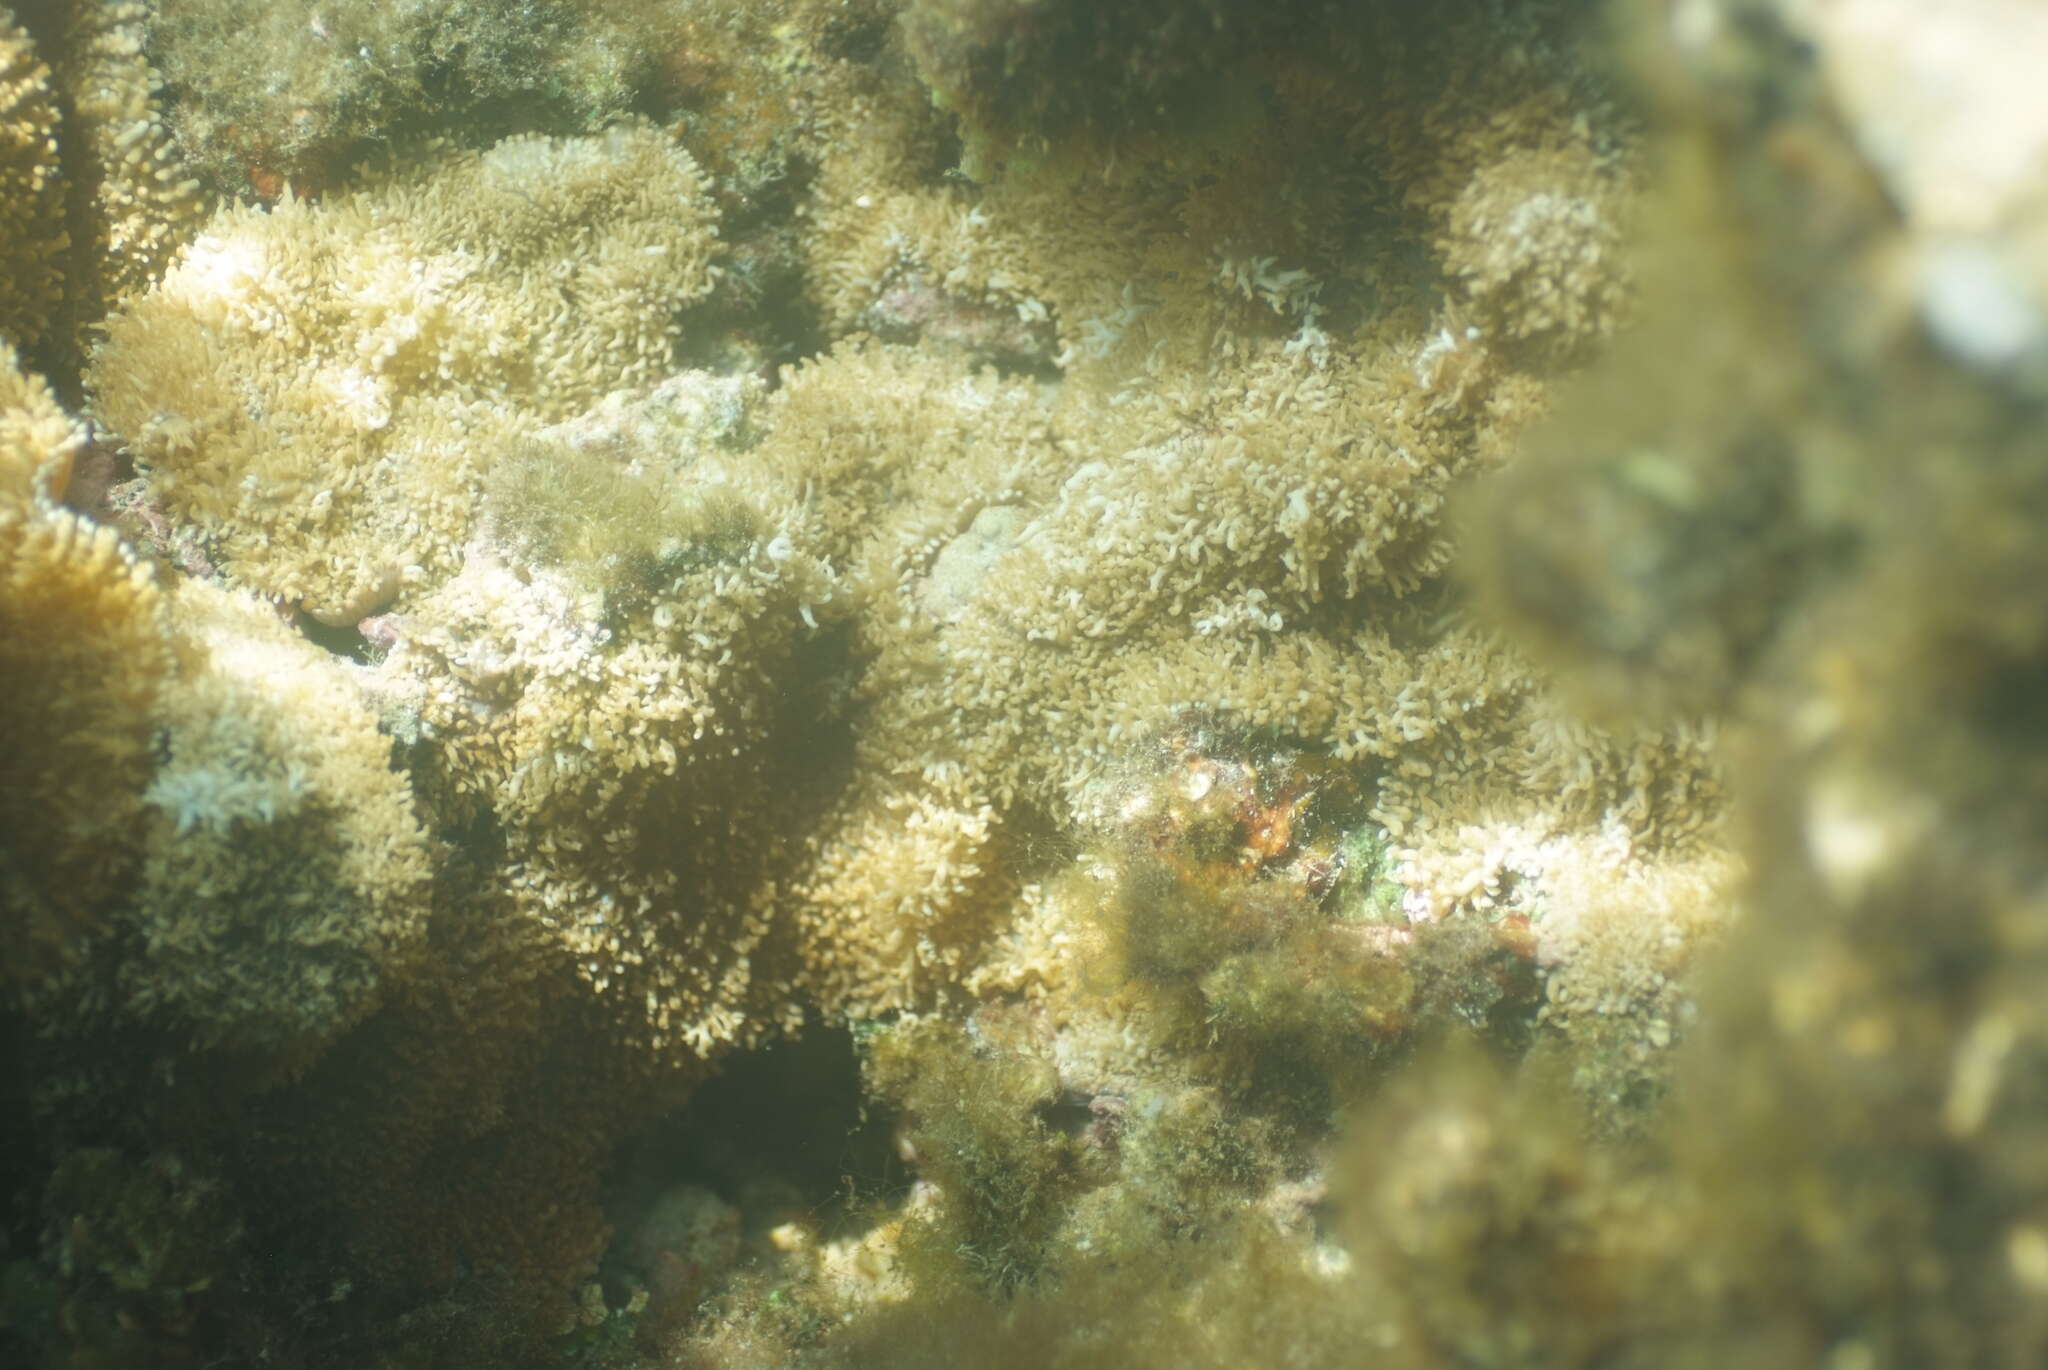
point(890, 683)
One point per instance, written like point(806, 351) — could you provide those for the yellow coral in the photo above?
point(320, 387)
point(616, 679)
point(83, 654)
point(1228, 509)
point(284, 875)
point(132, 204)
point(1537, 243)
point(38, 440)
point(31, 203)
point(900, 892)
point(729, 710)
point(93, 199)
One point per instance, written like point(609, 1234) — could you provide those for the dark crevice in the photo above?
point(781, 1132)
point(345, 642)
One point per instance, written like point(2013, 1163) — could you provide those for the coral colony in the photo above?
point(1030, 683)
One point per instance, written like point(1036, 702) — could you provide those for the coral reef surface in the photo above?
point(841, 683)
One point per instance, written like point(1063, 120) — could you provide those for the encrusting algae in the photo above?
point(917, 681)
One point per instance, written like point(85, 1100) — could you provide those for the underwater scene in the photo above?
point(1031, 684)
